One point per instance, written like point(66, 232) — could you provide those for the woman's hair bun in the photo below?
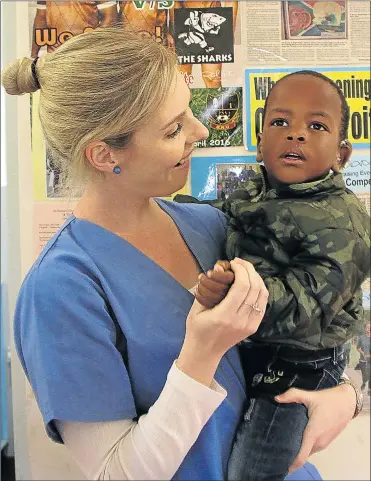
point(17, 78)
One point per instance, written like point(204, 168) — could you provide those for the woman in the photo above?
point(134, 376)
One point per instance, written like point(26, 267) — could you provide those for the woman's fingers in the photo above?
point(226, 324)
point(327, 418)
point(304, 452)
point(256, 285)
point(239, 289)
point(256, 299)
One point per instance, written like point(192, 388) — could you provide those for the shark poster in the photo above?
point(204, 35)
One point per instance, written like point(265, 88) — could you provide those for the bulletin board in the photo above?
point(231, 54)
point(230, 65)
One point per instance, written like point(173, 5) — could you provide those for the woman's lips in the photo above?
point(184, 161)
point(184, 165)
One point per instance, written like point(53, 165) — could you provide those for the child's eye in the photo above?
point(279, 123)
point(176, 131)
point(317, 126)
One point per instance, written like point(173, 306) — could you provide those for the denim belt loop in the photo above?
point(338, 353)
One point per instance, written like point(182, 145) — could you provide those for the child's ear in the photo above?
point(344, 156)
point(259, 155)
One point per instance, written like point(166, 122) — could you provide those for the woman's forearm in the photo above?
point(155, 446)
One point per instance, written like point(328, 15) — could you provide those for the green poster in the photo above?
point(220, 110)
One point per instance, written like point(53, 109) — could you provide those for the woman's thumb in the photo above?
point(293, 395)
point(197, 308)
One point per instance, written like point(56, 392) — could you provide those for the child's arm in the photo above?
point(319, 285)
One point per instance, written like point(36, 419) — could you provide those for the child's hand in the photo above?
point(213, 287)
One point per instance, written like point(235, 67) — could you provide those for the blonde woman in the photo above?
point(129, 371)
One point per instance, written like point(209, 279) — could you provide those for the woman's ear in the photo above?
point(100, 156)
point(259, 154)
point(344, 155)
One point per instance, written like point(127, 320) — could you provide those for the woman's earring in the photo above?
point(117, 169)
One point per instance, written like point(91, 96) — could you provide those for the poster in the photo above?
point(204, 35)
point(315, 20)
point(55, 22)
point(220, 110)
point(207, 38)
point(217, 177)
point(48, 217)
point(310, 33)
point(353, 81)
point(357, 177)
point(366, 301)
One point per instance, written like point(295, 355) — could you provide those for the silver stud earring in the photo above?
point(344, 143)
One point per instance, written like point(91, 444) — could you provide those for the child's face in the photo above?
point(301, 134)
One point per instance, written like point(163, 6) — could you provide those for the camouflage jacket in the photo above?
point(311, 245)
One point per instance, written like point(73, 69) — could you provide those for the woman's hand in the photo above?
point(329, 411)
point(211, 332)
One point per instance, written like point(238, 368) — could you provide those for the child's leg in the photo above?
point(271, 433)
point(267, 441)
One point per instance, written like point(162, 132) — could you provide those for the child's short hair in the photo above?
point(344, 105)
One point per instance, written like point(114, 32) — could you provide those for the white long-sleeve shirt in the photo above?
point(152, 448)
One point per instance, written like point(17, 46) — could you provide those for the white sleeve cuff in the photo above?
point(181, 381)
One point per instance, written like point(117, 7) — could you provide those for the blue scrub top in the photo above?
point(87, 281)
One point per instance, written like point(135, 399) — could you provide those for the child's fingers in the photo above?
point(225, 277)
point(225, 265)
point(218, 268)
point(213, 285)
point(207, 297)
point(205, 301)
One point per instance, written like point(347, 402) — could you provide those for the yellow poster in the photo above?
point(353, 81)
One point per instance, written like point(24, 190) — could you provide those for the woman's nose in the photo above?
point(199, 131)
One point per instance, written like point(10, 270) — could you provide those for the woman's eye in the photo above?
point(279, 123)
point(176, 131)
point(317, 126)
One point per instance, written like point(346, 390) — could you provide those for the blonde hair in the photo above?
point(100, 85)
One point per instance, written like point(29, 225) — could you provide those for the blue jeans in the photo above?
point(270, 434)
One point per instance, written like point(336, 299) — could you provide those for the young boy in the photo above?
point(309, 238)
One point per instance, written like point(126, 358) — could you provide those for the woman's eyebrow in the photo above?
point(179, 116)
point(174, 119)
